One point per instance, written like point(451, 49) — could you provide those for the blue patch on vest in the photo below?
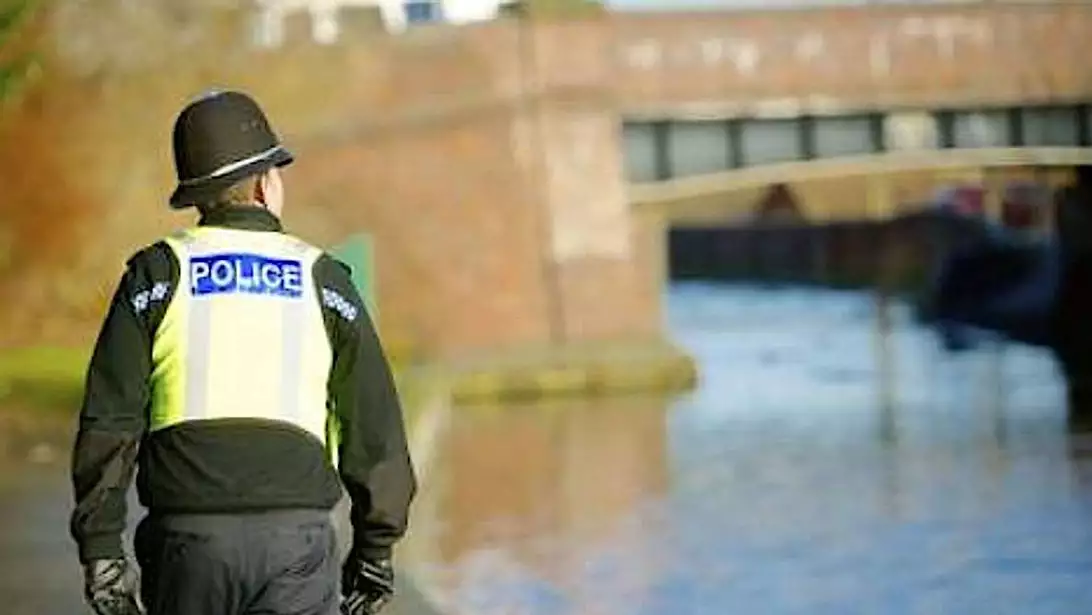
point(245, 273)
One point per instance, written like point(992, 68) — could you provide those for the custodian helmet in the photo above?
point(220, 139)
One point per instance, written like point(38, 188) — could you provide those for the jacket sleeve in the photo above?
point(374, 461)
point(113, 414)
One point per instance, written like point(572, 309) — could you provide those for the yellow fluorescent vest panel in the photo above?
point(243, 336)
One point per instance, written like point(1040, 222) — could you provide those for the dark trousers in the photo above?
point(277, 563)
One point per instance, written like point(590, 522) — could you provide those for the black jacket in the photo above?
point(235, 465)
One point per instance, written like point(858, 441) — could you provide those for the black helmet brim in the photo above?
point(204, 190)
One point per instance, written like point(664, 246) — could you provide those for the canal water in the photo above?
point(815, 470)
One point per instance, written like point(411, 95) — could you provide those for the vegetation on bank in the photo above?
point(552, 9)
point(16, 64)
point(43, 378)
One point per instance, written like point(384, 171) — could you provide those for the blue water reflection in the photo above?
point(799, 478)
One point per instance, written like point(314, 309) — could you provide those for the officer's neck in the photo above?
point(243, 217)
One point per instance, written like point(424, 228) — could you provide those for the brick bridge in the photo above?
point(861, 109)
point(490, 162)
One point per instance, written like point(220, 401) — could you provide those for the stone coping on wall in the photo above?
point(585, 369)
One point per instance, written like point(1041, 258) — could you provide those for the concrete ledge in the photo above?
point(583, 370)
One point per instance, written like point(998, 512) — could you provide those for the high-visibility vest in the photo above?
point(243, 335)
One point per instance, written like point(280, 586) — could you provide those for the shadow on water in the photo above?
point(791, 481)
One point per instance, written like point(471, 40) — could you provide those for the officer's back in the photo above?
point(238, 370)
point(245, 326)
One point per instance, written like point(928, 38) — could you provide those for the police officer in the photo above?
point(238, 372)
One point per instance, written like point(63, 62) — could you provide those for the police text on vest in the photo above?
point(245, 273)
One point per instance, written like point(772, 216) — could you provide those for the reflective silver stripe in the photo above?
point(198, 351)
point(293, 319)
point(232, 166)
point(198, 344)
point(291, 359)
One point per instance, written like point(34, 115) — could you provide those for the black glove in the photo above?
point(112, 587)
point(367, 586)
